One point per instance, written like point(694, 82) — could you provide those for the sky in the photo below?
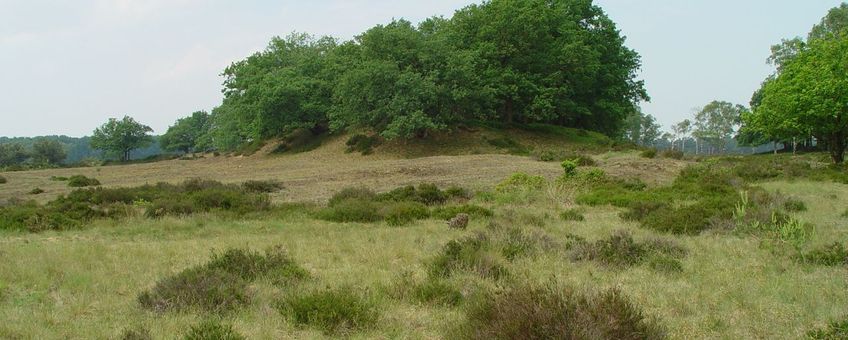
point(66, 66)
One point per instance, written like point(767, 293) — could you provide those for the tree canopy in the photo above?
point(560, 62)
point(119, 137)
point(186, 134)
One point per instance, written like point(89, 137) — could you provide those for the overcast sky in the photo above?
point(68, 65)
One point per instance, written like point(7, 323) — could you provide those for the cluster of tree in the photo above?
point(806, 99)
point(641, 129)
point(559, 62)
point(41, 153)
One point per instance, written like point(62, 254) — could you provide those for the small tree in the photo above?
point(12, 154)
point(716, 122)
point(48, 152)
point(120, 137)
point(184, 135)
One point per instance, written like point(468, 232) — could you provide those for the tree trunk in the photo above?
point(837, 147)
point(774, 147)
point(794, 146)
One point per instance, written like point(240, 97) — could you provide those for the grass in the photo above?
point(83, 282)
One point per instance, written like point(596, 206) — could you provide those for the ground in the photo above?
point(84, 283)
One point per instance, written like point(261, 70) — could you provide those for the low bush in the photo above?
point(621, 251)
point(80, 181)
point(650, 153)
point(432, 290)
point(569, 167)
point(510, 145)
point(469, 254)
point(550, 312)
point(351, 210)
point(36, 191)
point(794, 205)
point(221, 284)
point(572, 215)
point(516, 242)
point(832, 255)
point(363, 144)
point(448, 212)
point(212, 330)
point(58, 178)
point(521, 181)
point(673, 154)
point(267, 186)
point(334, 311)
point(559, 156)
point(837, 330)
point(401, 213)
point(357, 193)
point(3, 180)
point(136, 334)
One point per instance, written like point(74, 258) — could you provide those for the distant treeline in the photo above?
point(57, 150)
point(560, 62)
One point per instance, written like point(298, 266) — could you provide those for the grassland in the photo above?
point(84, 283)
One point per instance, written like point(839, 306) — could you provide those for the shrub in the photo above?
point(58, 178)
point(559, 156)
point(426, 193)
point(36, 191)
point(221, 284)
point(509, 144)
point(362, 144)
point(401, 213)
point(80, 181)
point(621, 251)
point(468, 254)
point(3, 180)
point(834, 331)
point(471, 210)
point(569, 167)
point(430, 194)
point(212, 330)
point(136, 334)
point(572, 215)
point(359, 193)
point(519, 181)
point(460, 221)
point(432, 290)
point(673, 154)
point(458, 193)
point(351, 210)
point(650, 153)
point(794, 205)
point(550, 312)
point(831, 255)
point(267, 186)
point(335, 311)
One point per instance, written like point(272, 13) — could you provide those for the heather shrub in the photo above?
point(620, 250)
point(136, 334)
point(358, 193)
point(471, 210)
point(36, 191)
point(212, 330)
point(650, 153)
point(267, 186)
point(221, 284)
point(3, 180)
point(673, 154)
point(79, 181)
point(831, 255)
point(351, 210)
point(431, 290)
point(569, 167)
point(549, 312)
point(794, 205)
point(401, 213)
point(837, 330)
point(572, 215)
point(561, 155)
point(521, 181)
point(334, 311)
point(472, 254)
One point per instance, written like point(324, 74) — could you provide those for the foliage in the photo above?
point(221, 284)
point(431, 290)
point(186, 134)
point(266, 186)
point(334, 311)
point(136, 334)
point(561, 155)
point(641, 129)
point(834, 331)
point(572, 215)
point(620, 250)
point(80, 181)
point(448, 212)
point(46, 151)
point(521, 181)
point(402, 80)
point(362, 144)
point(550, 312)
point(36, 191)
point(716, 122)
point(468, 254)
point(212, 330)
point(121, 136)
point(3, 180)
point(649, 153)
point(831, 255)
point(673, 154)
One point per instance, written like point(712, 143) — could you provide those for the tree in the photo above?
point(119, 137)
point(184, 136)
point(716, 122)
point(810, 96)
point(12, 154)
point(650, 130)
point(47, 151)
point(680, 131)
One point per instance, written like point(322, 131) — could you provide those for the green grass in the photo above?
point(374, 280)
